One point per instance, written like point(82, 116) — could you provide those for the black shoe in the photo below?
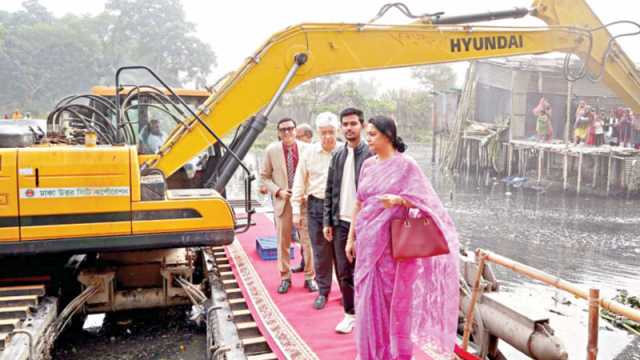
point(320, 302)
point(284, 286)
point(298, 269)
point(311, 285)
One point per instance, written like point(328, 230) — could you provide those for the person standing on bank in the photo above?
point(339, 200)
point(409, 304)
point(278, 170)
point(311, 179)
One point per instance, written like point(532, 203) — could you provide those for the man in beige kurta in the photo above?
point(278, 171)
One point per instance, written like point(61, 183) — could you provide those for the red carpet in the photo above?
point(315, 327)
point(293, 328)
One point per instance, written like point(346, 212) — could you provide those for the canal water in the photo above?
point(591, 241)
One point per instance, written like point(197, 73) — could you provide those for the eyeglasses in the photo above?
point(286, 129)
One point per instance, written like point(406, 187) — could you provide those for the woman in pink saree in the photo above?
point(402, 307)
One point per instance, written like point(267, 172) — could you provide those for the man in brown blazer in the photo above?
point(278, 169)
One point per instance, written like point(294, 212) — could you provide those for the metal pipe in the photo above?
point(220, 351)
point(255, 128)
point(515, 13)
point(299, 60)
point(29, 335)
point(195, 116)
point(535, 340)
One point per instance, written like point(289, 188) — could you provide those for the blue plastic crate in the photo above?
point(267, 248)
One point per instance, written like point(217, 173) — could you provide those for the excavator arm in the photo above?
point(307, 51)
point(605, 60)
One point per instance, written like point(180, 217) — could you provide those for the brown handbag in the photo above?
point(417, 238)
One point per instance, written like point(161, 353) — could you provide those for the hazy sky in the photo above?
point(235, 29)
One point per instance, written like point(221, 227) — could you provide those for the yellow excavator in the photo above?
point(71, 198)
point(83, 187)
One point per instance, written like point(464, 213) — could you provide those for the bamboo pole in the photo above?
point(480, 159)
point(567, 125)
point(556, 282)
point(433, 130)
point(540, 163)
point(580, 156)
point(468, 145)
point(596, 161)
point(474, 298)
point(609, 171)
point(565, 170)
point(594, 316)
point(510, 158)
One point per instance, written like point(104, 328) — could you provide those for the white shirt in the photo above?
point(311, 176)
point(155, 141)
point(348, 187)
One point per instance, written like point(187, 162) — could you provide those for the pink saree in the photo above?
point(409, 305)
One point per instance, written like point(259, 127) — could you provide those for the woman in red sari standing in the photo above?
point(403, 306)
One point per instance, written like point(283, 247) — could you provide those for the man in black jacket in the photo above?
point(339, 202)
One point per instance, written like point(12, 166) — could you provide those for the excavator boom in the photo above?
point(605, 60)
point(328, 49)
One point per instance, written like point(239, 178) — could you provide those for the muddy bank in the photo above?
point(156, 334)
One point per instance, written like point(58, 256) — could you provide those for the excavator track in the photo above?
point(25, 312)
point(232, 331)
point(16, 304)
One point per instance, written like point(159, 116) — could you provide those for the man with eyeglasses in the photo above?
point(278, 170)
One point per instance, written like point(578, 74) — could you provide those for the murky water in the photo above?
point(591, 241)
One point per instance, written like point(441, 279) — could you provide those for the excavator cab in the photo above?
point(67, 193)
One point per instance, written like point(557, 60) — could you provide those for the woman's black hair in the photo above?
point(387, 126)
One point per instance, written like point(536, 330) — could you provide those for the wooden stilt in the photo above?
point(565, 171)
point(549, 158)
point(596, 162)
point(480, 160)
point(509, 158)
point(567, 123)
point(621, 173)
point(468, 145)
point(609, 170)
point(578, 186)
point(540, 163)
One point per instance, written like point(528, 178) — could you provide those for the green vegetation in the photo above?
point(410, 107)
point(621, 322)
point(44, 58)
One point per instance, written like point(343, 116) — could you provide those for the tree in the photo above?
point(435, 77)
point(158, 35)
point(44, 61)
point(411, 108)
point(44, 58)
point(308, 99)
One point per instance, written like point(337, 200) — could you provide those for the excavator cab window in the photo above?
point(151, 112)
